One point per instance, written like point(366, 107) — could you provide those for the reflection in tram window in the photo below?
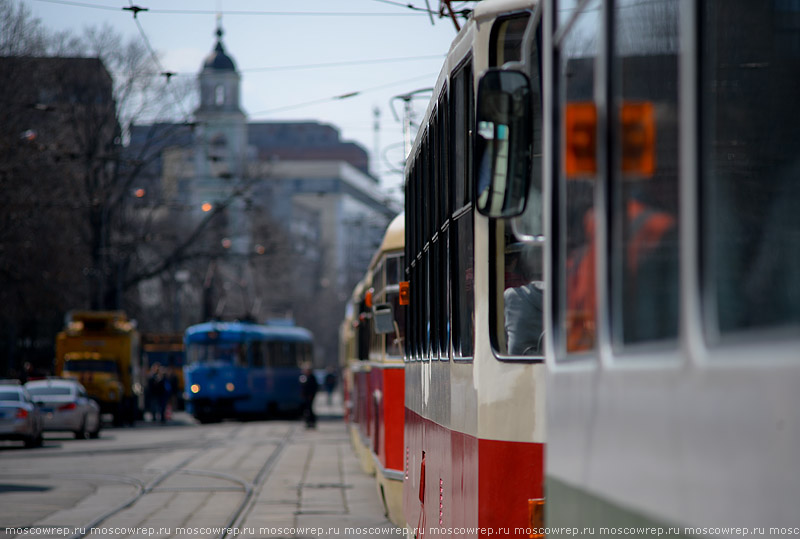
point(751, 166)
point(579, 170)
point(644, 244)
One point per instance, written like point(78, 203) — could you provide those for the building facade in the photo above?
point(290, 214)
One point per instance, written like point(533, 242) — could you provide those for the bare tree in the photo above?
point(70, 231)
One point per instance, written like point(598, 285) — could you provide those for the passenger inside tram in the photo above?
point(523, 303)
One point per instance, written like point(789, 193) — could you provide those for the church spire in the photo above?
point(219, 31)
point(219, 80)
point(219, 59)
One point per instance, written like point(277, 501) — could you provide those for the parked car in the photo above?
point(66, 406)
point(19, 416)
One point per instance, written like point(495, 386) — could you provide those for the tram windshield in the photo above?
point(227, 352)
point(252, 353)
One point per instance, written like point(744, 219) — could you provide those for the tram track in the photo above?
point(143, 491)
point(157, 485)
point(263, 473)
point(222, 466)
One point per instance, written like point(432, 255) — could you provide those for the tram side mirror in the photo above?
point(383, 318)
point(503, 145)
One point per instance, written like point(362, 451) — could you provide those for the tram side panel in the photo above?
point(364, 418)
point(393, 390)
point(388, 449)
point(442, 462)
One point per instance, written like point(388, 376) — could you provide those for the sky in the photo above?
point(295, 57)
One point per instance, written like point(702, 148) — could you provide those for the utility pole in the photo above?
point(408, 111)
point(376, 148)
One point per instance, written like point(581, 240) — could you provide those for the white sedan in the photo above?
point(19, 416)
point(66, 406)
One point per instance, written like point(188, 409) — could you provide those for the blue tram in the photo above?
point(240, 369)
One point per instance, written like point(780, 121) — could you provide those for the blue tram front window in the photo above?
point(282, 354)
point(235, 353)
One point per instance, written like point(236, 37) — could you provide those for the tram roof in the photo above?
point(394, 239)
point(245, 331)
point(460, 48)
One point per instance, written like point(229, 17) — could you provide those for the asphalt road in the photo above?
point(183, 479)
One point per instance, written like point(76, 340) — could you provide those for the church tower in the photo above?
point(219, 83)
point(222, 126)
point(221, 141)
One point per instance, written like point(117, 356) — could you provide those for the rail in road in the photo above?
point(162, 484)
point(211, 481)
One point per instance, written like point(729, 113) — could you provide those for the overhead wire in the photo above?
point(135, 10)
point(412, 7)
point(167, 74)
point(341, 96)
point(345, 63)
point(319, 65)
point(236, 12)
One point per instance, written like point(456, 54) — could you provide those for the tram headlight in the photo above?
point(230, 387)
point(195, 388)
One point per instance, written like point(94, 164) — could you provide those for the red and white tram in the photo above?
point(372, 337)
point(474, 401)
point(646, 155)
point(602, 199)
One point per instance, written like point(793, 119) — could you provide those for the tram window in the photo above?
point(282, 354)
point(394, 268)
point(444, 297)
point(517, 302)
point(750, 175)
point(394, 340)
point(430, 284)
point(442, 256)
point(461, 229)
point(434, 274)
point(465, 298)
point(506, 39)
point(410, 256)
point(444, 161)
point(425, 190)
point(376, 339)
point(644, 178)
point(530, 223)
point(578, 172)
point(258, 354)
point(436, 171)
point(518, 323)
point(364, 331)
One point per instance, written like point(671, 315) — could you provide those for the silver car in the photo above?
point(19, 417)
point(66, 406)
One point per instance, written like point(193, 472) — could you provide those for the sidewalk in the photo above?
point(316, 487)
